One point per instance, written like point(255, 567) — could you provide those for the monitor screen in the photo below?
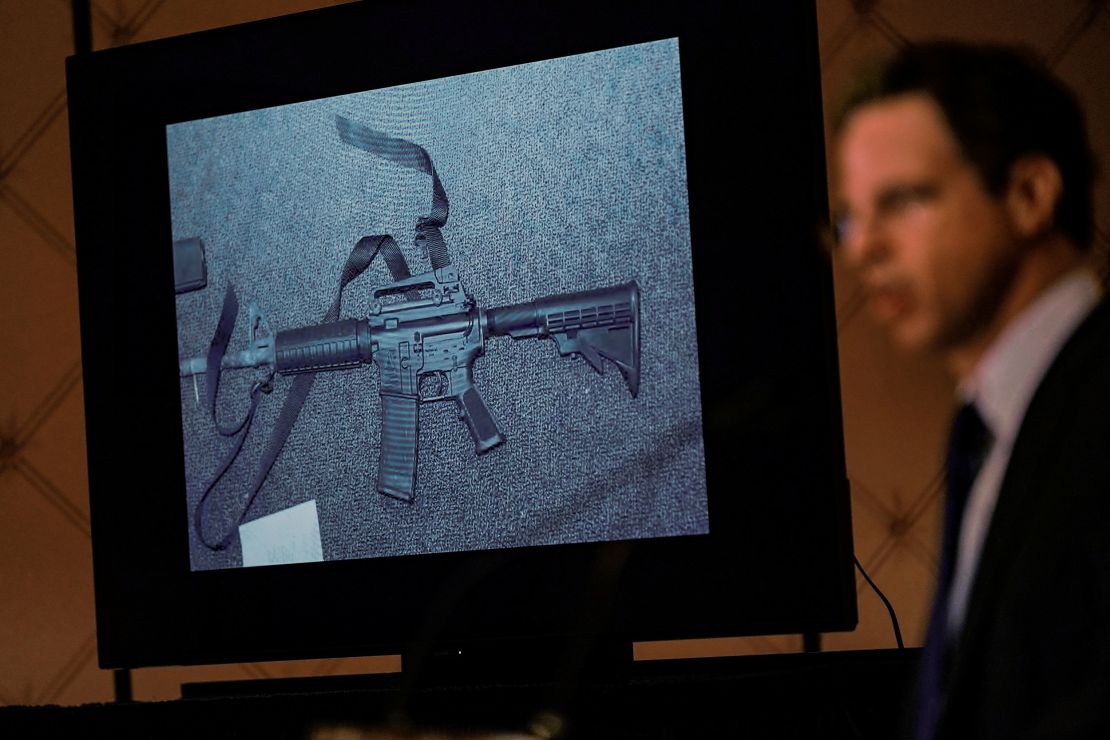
point(559, 188)
point(408, 325)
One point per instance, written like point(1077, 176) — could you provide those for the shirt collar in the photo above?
point(1003, 384)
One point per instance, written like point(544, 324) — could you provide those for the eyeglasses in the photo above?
point(893, 203)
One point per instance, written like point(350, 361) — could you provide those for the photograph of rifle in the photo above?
point(568, 221)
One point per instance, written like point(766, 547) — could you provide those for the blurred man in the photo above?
point(965, 180)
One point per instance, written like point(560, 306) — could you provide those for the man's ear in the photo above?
point(1034, 190)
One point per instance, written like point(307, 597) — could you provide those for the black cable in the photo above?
point(889, 607)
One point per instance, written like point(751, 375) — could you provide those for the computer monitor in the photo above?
point(416, 324)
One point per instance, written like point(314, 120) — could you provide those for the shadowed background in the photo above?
point(895, 408)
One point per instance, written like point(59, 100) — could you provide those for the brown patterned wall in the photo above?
point(895, 407)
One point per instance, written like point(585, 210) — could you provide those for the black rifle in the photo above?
point(439, 336)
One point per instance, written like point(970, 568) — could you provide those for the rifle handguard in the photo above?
point(333, 346)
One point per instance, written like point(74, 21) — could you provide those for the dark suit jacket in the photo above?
point(1034, 658)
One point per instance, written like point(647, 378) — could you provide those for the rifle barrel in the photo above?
point(255, 357)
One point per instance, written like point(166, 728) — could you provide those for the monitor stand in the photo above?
point(559, 663)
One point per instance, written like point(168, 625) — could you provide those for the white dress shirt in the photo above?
point(1001, 388)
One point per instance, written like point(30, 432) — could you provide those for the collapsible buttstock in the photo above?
point(596, 324)
point(400, 432)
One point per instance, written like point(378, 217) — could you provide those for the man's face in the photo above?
point(935, 251)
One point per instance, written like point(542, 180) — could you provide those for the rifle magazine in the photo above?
point(400, 432)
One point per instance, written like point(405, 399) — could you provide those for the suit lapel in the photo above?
point(1022, 495)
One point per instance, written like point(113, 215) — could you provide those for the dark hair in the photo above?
point(1001, 103)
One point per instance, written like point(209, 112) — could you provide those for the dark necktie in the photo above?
point(968, 443)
